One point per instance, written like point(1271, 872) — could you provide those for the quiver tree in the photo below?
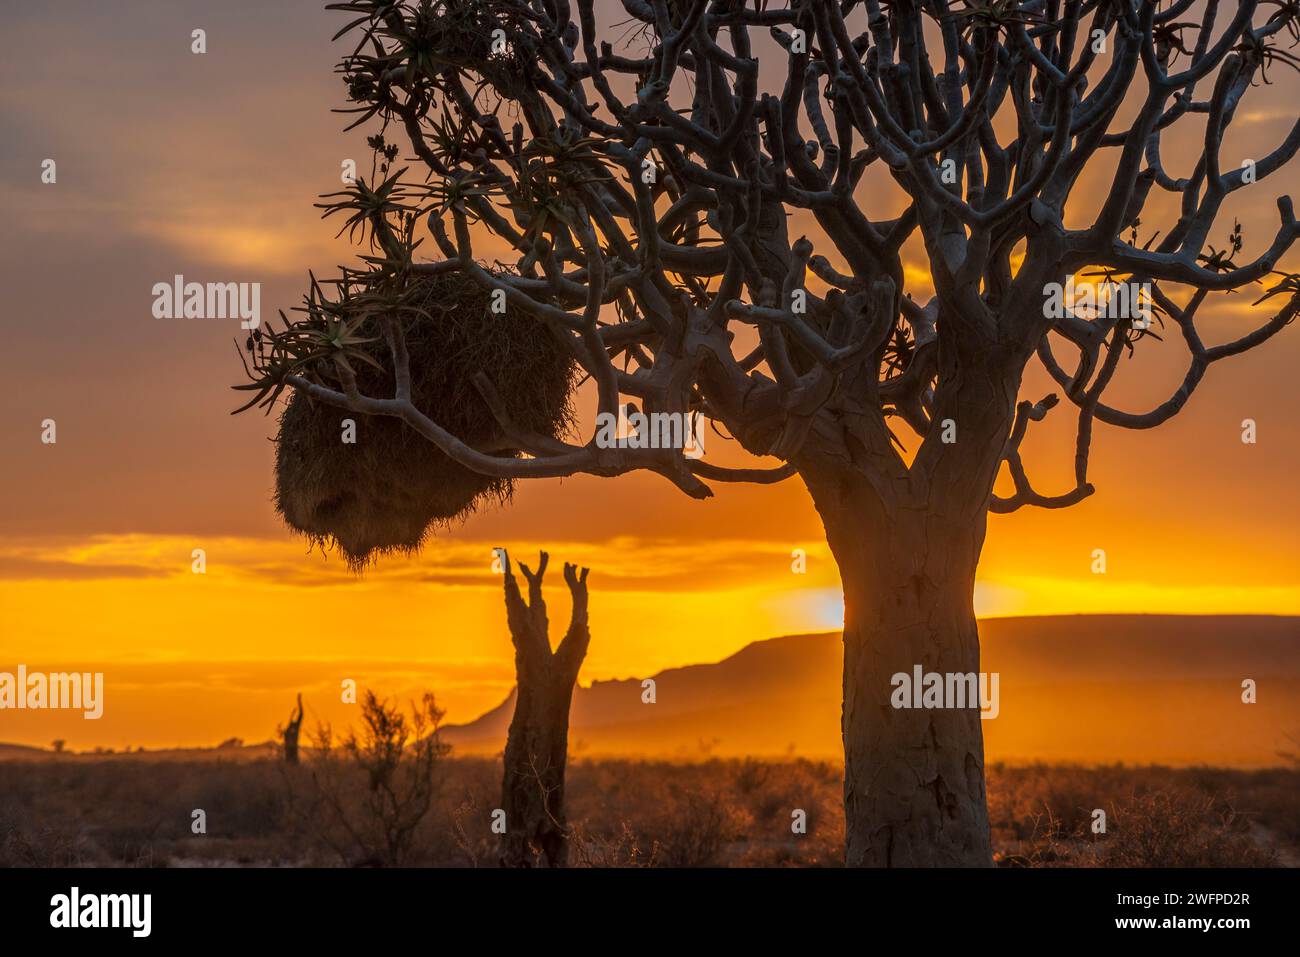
point(703, 217)
point(537, 745)
point(289, 734)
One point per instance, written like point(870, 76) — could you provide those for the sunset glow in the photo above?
point(96, 544)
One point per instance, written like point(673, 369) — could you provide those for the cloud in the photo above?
point(256, 247)
point(20, 569)
point(624, 563)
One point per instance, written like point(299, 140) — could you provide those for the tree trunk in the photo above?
point(291, 734)
point(533, 790)
point(914, 776)
point(537, 743)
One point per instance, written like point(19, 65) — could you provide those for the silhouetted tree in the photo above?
point(374, 788)
point(647, 191)
point(537, 745)
point(289, 733)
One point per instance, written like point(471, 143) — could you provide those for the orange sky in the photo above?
point(208, 166)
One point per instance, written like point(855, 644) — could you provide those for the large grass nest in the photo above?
point(392, 488)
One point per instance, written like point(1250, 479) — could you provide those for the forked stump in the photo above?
point(537, 745)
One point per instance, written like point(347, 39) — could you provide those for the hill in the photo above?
point(1084, 688)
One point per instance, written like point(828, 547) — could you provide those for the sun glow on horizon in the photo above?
point(133, 601)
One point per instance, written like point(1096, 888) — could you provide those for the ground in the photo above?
point(88, 810)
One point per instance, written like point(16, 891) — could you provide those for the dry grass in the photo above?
point(628, 813)
point(1155, 817)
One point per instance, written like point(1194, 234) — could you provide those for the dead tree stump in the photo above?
point(290, 734)
point(537, 744)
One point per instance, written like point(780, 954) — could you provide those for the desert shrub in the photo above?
point(22, 845)
point(374, 789)
point(1041, 815)
point(1270, 795)
point(1181, 828)
point(695, 830)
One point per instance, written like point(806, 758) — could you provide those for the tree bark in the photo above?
point(537, 744)
point(914, 792)
point(913, 778)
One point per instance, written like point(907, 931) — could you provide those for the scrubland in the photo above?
point(83, 810)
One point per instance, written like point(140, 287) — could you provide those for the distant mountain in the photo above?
point(233, 753)
point(1086, 688)
point(17, 752)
